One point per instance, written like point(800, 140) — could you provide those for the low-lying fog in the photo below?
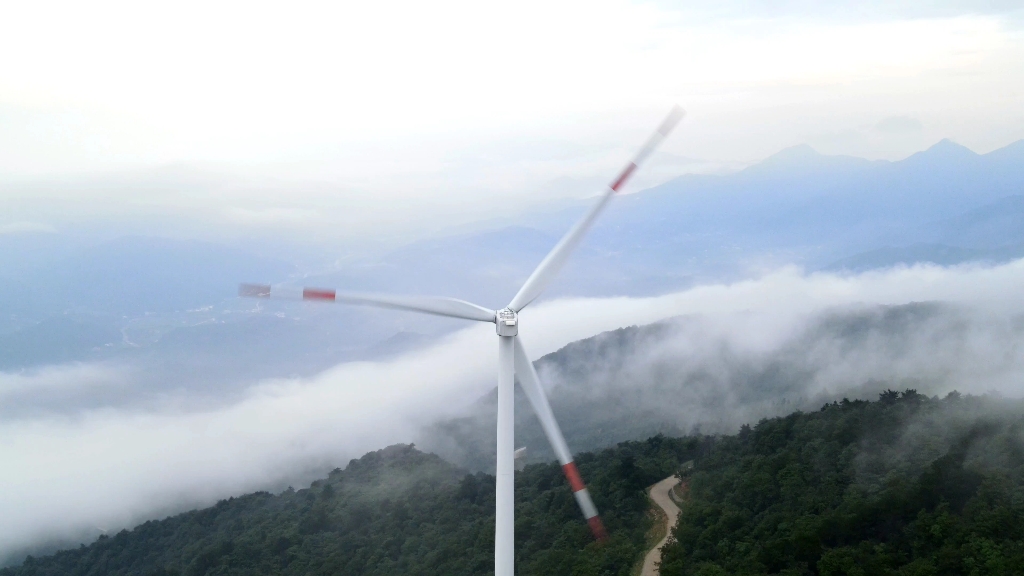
point(742, 351)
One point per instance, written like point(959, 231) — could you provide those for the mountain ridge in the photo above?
point(688, 231)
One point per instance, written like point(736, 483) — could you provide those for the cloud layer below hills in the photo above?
point(68, 477)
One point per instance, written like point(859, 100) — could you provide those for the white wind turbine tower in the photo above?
point(512, 358)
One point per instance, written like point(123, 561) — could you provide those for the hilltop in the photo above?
point(395, 511)
point(905, 485)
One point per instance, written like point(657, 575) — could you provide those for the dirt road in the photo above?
point(659, 493)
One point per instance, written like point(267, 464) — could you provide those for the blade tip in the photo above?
point(597, 527)
point(254, 290)
point(674, 117)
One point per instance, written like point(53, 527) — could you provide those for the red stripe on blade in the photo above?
point(622, 177)
point(317, 294)
point(597, 527)
point(573, 476)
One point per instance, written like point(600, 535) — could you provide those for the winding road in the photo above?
point(659, 493)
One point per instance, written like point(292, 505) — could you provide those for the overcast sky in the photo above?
point(405, 97)
point(308, 116)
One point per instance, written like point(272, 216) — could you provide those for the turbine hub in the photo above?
point(507, 322)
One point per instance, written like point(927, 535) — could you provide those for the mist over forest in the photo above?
point(904, 484)
point(132, 373)
point(790, 306)
point(699, 374)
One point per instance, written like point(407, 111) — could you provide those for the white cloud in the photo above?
point(59, 380)
point(115, 467)
point(788, 293)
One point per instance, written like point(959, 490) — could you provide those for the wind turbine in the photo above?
point(512, 358)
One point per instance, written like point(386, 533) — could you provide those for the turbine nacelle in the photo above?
point(506, 322)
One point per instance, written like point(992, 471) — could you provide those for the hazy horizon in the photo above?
point(277, 118)
point(837, 158)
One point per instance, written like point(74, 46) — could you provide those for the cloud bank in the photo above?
point(66, 475)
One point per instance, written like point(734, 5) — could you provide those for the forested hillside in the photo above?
point(695, 374)
point(907, 485)
point(396, 511)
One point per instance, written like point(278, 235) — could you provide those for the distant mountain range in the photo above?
point(136, 295)
point(797, 206)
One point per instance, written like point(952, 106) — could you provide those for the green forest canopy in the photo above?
point(395, 511)
point(906, 485)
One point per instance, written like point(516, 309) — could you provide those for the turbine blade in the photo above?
point(427, 304)
point(530, 383)
point(555, 259)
